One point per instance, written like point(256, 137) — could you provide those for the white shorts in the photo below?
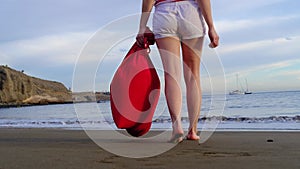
point(181, 20)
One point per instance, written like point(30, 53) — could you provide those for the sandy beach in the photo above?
point(71, 149)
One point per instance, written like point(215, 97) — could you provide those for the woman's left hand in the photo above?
point(214, 38)
point(140, 36)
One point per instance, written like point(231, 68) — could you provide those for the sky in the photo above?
point(259, 41)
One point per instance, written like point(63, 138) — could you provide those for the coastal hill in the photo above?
point(17, 88)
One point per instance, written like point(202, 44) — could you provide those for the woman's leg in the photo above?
point(169, 49)
point(191, 51)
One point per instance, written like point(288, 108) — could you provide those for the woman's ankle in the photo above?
point(177, 127)
point(192, 134)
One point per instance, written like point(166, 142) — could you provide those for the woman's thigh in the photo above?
point(169, 49)
point(191, 54)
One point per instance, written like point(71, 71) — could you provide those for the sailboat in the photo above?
point(237, 91)
point(247, 91)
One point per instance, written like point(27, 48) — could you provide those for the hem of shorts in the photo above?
point(166, 36)
point(193, 37)
point(182, 38)
point(179, 2)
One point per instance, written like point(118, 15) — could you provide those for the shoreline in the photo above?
point(18, 105)
point(58, 148)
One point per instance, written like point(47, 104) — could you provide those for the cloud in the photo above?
point(295, 74)
point(249, 54)
point(54, 17)
point(291, 73)
point(290, 42)
point(234, 6)
point(56, 52)
point(271, 76)
point(270, 67)
point(230, 25)
point(55, 49)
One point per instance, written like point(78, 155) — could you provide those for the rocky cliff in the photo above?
point(17, 88)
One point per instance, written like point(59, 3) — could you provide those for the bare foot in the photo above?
point(177, 138)
point(177, 134)
point(192, 135)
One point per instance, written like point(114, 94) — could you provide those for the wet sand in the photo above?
point(67, 149)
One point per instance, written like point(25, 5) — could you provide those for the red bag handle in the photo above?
point(148, 39)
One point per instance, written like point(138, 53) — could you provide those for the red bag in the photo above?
point(135, 90)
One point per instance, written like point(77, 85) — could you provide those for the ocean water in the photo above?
point(258, 111)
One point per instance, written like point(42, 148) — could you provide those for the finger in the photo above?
point(213, 44)
point(139, 40)
point(216, 42)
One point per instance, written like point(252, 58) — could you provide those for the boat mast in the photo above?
point(237, 81)
point(246, 84)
